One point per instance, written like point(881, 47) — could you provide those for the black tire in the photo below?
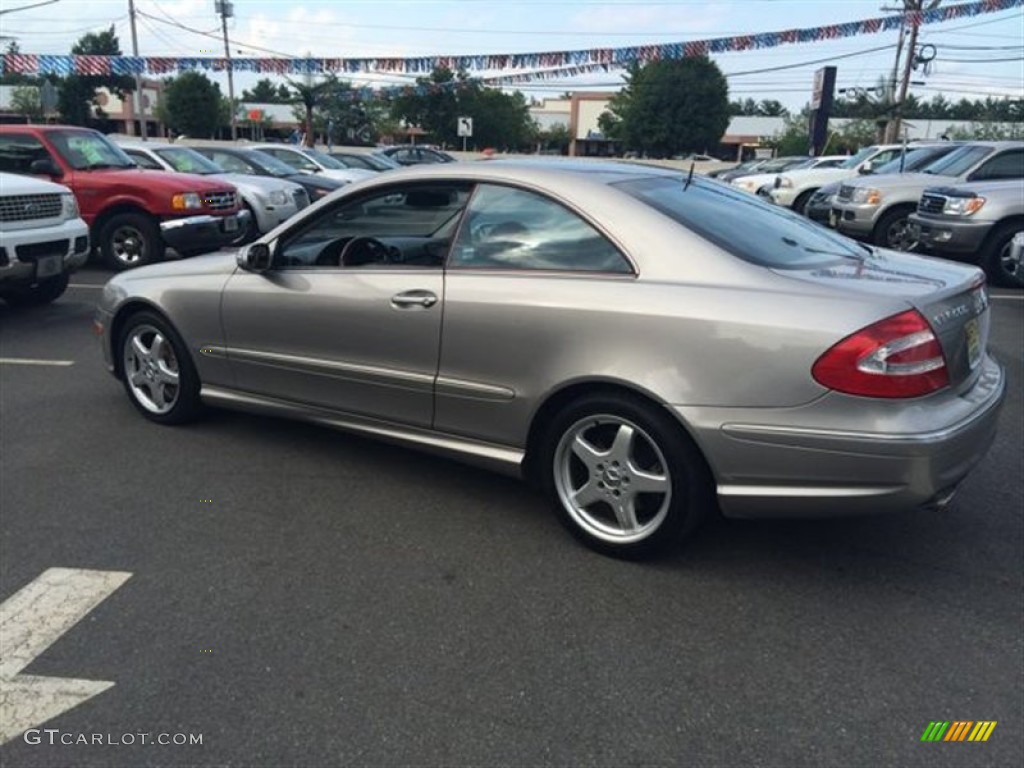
point(993, 257)
point(130, 240)
point(181, 402)
point(800, 204)
point(661, 452)
point(892, 230)
point(43, 292)
point(250, 232)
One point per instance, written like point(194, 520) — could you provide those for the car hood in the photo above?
point(757, 178)
point(819, 176)
point(245, 181)
point(312, 180)
point(14, 184)
point(1008, 188)
point(898, 181)
point(351, 175)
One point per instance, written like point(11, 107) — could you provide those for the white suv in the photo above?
point(794, 188)
point(42, 239)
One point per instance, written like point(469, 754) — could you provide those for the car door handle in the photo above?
point(414, 299)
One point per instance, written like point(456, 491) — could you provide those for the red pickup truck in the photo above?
point(133, 214)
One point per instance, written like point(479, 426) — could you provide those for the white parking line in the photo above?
point(31, 361)
point(86, 285)
point(1007, 296)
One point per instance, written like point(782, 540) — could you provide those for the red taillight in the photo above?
point(895, 357)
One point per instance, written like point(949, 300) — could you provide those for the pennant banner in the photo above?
point(564, 62)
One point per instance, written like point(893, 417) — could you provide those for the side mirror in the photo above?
point(45, 167)
point(255, 257)
point(867, 168)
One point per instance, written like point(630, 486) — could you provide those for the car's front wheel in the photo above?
point(157, 369)
point(130, 240)
point(996, 258)
point(624, 478)
point(894, 231)
point(43, 292)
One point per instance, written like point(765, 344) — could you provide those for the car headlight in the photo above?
point(69, 206)
point(963, 206)
point(746, 184)
point(783, 182)
point(867, 195)
point(186, 201)
point(279, 197)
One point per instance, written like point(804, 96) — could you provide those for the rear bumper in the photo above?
point(949, 236)
point(771, 468)
point(203, 233)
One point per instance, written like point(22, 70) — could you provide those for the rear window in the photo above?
point(743, 225)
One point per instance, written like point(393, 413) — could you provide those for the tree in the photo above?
point(309, 95)
point(432, 104)
point(555, 139)
point(77, 99)
point(192, 104)
point(25, 100)
point(265, 92)
point(771, 108)
point(671, 106)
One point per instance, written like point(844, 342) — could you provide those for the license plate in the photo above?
point(973, 342)
point(48, 266)
point(231, 224)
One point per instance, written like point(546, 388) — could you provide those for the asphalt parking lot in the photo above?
point(300, 597)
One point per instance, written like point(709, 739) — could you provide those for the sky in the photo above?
point(975, 57)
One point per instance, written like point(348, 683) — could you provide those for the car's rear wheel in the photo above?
point(43, 292)
point(894, 231)
point(624, 478)
point(995, 257)
point(158, 372)
point(130, 240)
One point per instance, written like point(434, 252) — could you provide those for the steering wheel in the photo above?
point(364, 250)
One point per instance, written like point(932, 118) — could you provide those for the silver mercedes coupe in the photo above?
point(645, 345)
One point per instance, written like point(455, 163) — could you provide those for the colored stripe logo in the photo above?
point(958, 730)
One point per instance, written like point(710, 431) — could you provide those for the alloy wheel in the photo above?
point(151, 369)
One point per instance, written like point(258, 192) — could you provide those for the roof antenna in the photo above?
point(690, 177)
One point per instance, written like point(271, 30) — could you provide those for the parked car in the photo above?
point(819, 207)
point(308, 160)
point(269, 201)
point(748, 166)
point(877, 209)
point(793, 189)
point(253, 162)
point(369, 161)
point(640, 343)
point(766, 178)
point(977, 222)
point(42, 239)
point(133, 215)
point(771, 165)
point(410, 154)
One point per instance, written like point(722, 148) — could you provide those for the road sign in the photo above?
point(30, 622)
point(466, 126)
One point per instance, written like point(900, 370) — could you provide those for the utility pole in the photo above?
point(912, 9)
point(137, 98)
point(227, 9)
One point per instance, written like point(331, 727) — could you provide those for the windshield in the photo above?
point(185, 160)
point(88, 150)
point(271, 164)
point(860, 157)
point(958, 162)
point(915, 160)
point(779, 164)
point(810, 162)
point(325, 160)
point(743, 225)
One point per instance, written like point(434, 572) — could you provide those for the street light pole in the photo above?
point(227, 9)
point(137, 99)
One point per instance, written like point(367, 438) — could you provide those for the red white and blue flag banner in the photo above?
point(564, 62)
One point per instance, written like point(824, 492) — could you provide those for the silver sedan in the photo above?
point(645, 346)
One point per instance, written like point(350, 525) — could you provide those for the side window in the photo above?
point(508, 228)
point(230, 162)
point(295, 159)
point(18, 151)
point(404, 156)
point(1006, 165)
point(143, 160)
point(884, 157)
point(405, 226)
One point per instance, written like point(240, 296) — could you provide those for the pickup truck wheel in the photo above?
point(157, 370)
point(995, 257)
point(130, 240)
point(893, 231)
point(44, 292)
